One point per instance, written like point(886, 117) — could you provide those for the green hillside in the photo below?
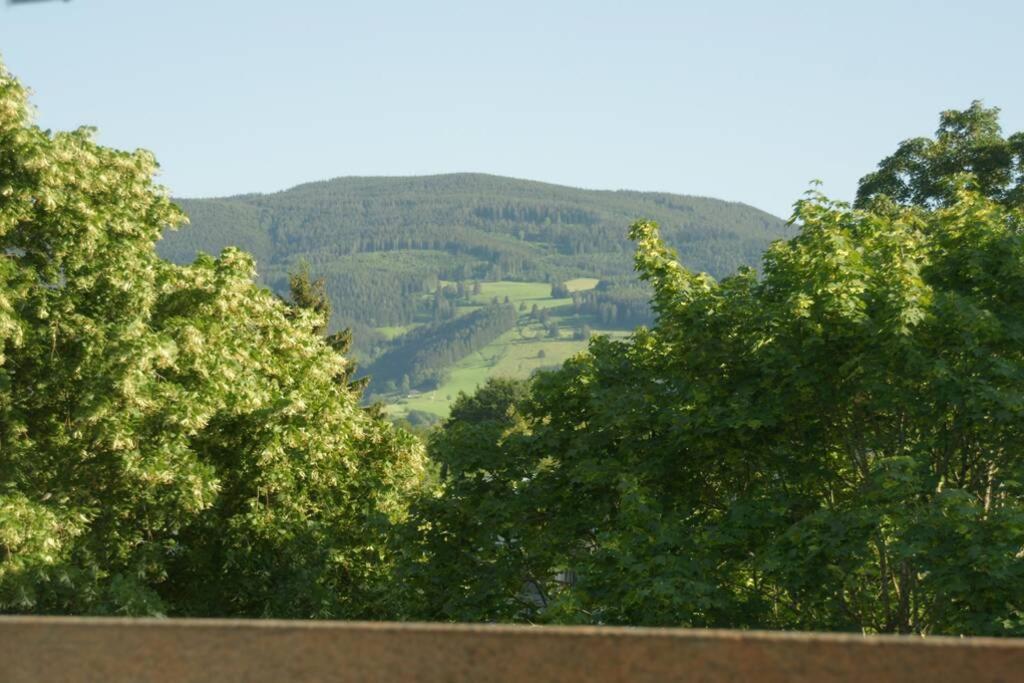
point(399, 254)
point(458, 227)
point(541, 338)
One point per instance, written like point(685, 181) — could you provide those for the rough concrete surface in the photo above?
point(57, 649)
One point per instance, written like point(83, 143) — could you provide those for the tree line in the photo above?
point(418, 358)
point(616, 303)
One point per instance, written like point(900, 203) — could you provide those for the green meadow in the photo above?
point(517, 353)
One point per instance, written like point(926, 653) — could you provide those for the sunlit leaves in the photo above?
point(833, 446)
point(173, 439)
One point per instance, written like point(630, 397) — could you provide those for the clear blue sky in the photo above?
point(745, 101)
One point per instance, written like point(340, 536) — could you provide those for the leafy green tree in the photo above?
point(495, 401)
point(464, 559)
point(560, 290)
point(309, 294)
point(173, 439)
point(922, 170)
point(833, 446)
point(864, 365)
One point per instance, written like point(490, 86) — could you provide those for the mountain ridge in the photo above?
point(472, 175)
point(472, 188)
point(385, 244)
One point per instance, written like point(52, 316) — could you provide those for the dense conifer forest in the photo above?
point(379, 242)
point(419, 357)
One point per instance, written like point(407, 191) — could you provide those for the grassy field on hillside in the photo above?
point(395, 331)
point(517, 353)
point(509, 356)
point(528, 293)
point(581, 283)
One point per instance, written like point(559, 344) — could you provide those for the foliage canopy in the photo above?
point(832, 446)
point(173, 439)
point(969, 141)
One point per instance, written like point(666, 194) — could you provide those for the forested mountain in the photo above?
point(381, 243)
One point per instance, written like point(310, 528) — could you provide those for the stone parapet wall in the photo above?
point(57, 649)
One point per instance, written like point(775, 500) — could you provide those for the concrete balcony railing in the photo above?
point(57, 649)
